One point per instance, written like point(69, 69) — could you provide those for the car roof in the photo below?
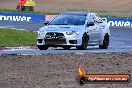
point(77, 13)
point(74, 13)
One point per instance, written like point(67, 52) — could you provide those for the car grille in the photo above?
point(55, 41)
point(55, 38)
point(40, 40)
point(55, 33)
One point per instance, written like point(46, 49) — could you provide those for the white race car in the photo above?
point(74, 29)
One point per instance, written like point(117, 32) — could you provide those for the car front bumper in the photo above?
point(65, 40)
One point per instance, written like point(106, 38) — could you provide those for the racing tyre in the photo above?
point(84, 45)
point(105, 42)
point(43, 47)
point(66, 47)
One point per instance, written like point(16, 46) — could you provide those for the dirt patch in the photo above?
point(59, 71)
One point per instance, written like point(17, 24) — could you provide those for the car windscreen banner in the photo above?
point(21, 17)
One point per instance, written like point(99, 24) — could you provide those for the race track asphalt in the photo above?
point(120, 40)
point(57, 68)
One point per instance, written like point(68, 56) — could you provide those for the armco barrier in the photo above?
point(10, 16)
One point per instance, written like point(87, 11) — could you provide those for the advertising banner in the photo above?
point(23, 17)
point(119, 22)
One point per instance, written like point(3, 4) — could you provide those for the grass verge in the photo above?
point(12, 37)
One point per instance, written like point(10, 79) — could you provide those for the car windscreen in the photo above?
point(68, 20)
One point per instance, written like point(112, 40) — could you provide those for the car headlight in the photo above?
point(72, 33)
point(40, 32)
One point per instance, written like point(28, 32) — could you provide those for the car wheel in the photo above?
point(42, 47)
point(105, 42)
point(66, 47)
point(84, 44)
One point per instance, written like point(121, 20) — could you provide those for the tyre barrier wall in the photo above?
point(25, 17)
point(21, 17)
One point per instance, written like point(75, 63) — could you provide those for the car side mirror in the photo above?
point(90, 24)
point(46, 23)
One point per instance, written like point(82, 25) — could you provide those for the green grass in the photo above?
point(12, 37)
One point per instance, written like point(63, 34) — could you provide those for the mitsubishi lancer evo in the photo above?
point(74, 29)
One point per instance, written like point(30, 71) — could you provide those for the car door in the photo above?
point(94, 32)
